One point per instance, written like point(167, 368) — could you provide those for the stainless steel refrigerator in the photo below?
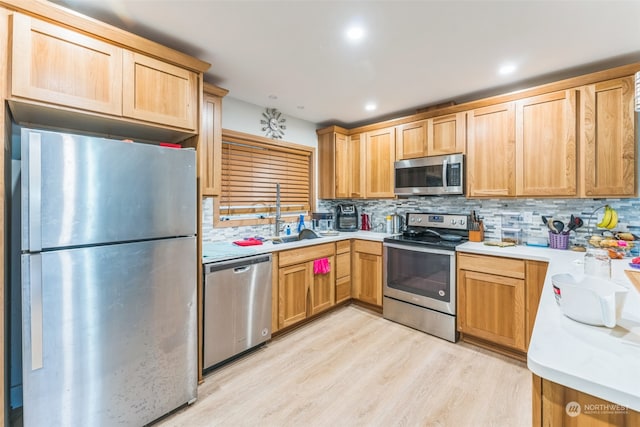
point(108, 280)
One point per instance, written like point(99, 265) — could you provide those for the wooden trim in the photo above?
point(570, 83)
point(78, 22)
point(6, 140)
point(497, 348)
point(240, 137)
point(536, 401)
point(212, 89)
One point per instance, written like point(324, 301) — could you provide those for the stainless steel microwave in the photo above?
point(434, 175)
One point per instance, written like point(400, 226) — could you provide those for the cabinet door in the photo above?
point(446, 134)
point(158, 92)
point(491, 151)
point(411, 140)
point(210, 148)
point(323, 293)
point(546, 145)
point(492, 307)
point(58, 66)
point(367, 278)
point(380, 149)
point(343, 166)
point(608, 138)
point(358, 159)
point(293, 284)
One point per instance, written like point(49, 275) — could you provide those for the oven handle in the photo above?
point(419, 249)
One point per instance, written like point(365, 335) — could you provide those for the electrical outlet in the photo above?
point(527, 217)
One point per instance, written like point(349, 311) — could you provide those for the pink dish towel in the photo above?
point(321, 266)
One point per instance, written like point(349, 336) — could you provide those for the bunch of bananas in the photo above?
point(610, 218)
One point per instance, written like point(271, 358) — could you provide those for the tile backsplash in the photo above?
point(491, 209)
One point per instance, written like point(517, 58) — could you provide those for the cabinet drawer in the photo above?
point(310, 253)
point(367, 247)
point(343, 246)
point(343, 289)
point(500, 266)
point(343, 265)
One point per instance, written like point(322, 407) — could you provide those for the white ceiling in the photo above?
point(414, 54)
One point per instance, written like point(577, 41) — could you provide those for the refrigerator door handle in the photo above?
point(34, 284)
point(31, 194)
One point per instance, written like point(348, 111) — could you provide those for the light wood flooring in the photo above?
point(351, 367)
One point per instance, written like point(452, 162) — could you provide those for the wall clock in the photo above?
point(273, 123)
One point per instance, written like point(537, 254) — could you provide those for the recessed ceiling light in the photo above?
point(507, 69)
point(273, 96)
point(300, 107)
point(370, 106)
point(355, 33)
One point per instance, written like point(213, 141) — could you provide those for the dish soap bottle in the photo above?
point(301, 223)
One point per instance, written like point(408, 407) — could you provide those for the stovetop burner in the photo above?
point(436, 230)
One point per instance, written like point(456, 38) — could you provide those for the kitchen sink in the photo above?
point(285, 239)
point(304, 235)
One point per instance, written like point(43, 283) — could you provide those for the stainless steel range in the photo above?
point(420, 273)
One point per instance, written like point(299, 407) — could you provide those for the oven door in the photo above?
point(421, 276)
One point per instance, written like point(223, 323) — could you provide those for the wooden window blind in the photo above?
point(250, 172)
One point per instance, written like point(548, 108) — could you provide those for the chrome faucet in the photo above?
point(279, 221)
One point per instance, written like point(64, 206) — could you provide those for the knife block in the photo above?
point(477, 235)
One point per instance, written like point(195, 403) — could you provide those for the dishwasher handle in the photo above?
point(239, 265)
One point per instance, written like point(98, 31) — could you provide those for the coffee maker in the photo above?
point(346, 217)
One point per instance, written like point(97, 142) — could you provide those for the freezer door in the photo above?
point(79, 190)
point(109, 333)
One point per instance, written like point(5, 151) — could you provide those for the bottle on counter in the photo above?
point(288, 230)
point(389, 224)
point(301, 223)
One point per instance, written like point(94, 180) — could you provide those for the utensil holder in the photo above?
point(477, 235)
point(558, 241)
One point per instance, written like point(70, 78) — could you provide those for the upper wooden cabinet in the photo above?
point(56, 67)
point(379, 155)
point(158, 92)
point(436, 136)
point(59, 66)
point(339, 165)
point(608, 138)
point(210, 146)
point(491, 151)
point(546, 148)
point(343, 164)
point(446, 134)
point(411, 140)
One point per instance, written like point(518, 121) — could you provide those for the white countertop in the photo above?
point(596, 360)
point(224, 250)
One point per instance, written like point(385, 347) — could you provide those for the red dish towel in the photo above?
point(321, 266)
point(248, 242)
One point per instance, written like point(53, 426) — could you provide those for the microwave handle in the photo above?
point(444, 174)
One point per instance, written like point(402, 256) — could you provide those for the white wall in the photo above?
point(245, 117)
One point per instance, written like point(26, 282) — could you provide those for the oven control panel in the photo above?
point(434, 220)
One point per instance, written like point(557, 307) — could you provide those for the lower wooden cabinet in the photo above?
point(301, 292)
point(367, 272)
point(343, 271)
point(498, 299)
point(556, 405)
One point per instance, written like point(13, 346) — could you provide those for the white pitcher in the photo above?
point(589, 299)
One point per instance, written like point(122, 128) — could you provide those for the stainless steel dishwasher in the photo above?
point(237, 307)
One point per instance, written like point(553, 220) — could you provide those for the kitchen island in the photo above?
point(592, 360)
